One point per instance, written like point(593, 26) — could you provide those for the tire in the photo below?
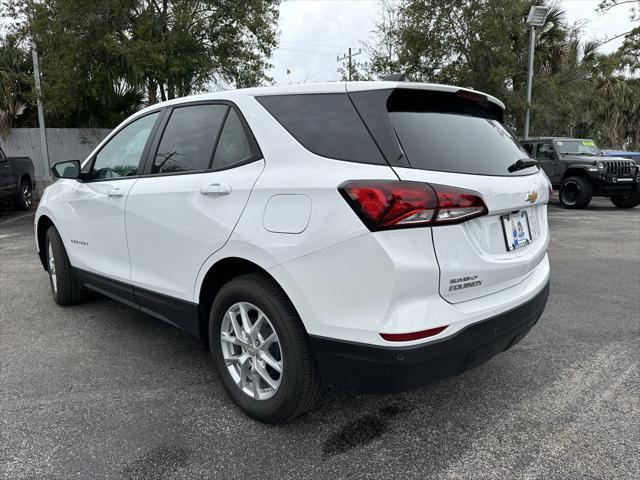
point(299, 381)
point(575, 192)
point(64, 284)
point(628, 201)
point(24, 199)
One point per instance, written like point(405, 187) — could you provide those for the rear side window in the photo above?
point(189, 138)
point(545, 151)
point(327, 124)
point(233, 146)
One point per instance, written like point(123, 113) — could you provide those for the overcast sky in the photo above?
point(314, 32)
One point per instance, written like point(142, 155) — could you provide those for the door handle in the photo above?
point(216, 189)
point(115, 192)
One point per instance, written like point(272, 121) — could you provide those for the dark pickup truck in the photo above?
point(17, 181)
point(578, 170)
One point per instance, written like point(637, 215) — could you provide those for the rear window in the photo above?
point(457, 143)
point(459, 132)
point(325, 124)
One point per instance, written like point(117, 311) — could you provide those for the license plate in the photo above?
point(516, 229)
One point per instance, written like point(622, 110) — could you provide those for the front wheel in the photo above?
point(628, 201)
point(575, 192)
point(260, 350)
point(24, 199)
point(64, 284)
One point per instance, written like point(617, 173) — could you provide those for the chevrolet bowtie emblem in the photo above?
point(532, 196)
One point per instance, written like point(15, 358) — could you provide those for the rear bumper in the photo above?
point(380, 369)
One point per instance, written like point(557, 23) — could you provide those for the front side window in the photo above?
point(120, 157)
point(189, 138)
point(545, 151)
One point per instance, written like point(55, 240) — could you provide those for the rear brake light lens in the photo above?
point(473, 96)
point(407, 337)
point(390, 204)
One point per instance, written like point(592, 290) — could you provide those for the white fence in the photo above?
point(63, 143)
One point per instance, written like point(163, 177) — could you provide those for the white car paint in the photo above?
point(170, 218)
point(285, 214)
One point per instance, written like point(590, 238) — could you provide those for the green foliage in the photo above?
point(102, 60)
point(15, 87)
point(483, 44)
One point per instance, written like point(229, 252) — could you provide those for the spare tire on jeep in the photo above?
point(575, 192)
point(628, 201)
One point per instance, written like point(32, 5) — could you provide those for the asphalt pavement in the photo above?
point(100, 390)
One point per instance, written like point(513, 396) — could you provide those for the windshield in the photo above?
point(577, 147)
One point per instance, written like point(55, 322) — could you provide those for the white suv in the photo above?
point(374, 235)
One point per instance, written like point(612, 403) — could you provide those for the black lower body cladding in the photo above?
point(376, 369)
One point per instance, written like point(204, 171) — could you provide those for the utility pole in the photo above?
point(43, 131)
point(349, 56)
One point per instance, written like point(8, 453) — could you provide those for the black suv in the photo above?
point(579, 170)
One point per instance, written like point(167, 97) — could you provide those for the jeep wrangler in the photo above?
point(579, 170)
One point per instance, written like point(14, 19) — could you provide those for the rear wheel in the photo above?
point(62, 279)
point(24, 199)
point(575, 192)
point(260, 350)
point(628, 201)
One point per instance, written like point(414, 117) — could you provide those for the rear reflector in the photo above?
point(406, 337)
point(390, 204)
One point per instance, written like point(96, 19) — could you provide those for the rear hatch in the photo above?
point(456, 138)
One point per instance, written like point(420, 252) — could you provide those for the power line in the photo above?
point(317, 52)
point(313, 44)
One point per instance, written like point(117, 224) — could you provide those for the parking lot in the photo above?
point(100, 390)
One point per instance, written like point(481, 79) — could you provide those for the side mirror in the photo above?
point(66, 169)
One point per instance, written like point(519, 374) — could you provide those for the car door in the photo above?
point(199, 175)
point(95, 217)
point(547, 159)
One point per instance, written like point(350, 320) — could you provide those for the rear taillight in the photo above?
point(389, 204)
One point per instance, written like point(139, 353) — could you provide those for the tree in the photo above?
point(15, 89)
point(476, 43)
point(101, 60)
point(183, 46)
point(482, 44)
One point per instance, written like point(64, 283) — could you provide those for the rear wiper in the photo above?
point(521, 164)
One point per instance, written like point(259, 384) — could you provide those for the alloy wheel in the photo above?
point(251, 351)
point(52, 269)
